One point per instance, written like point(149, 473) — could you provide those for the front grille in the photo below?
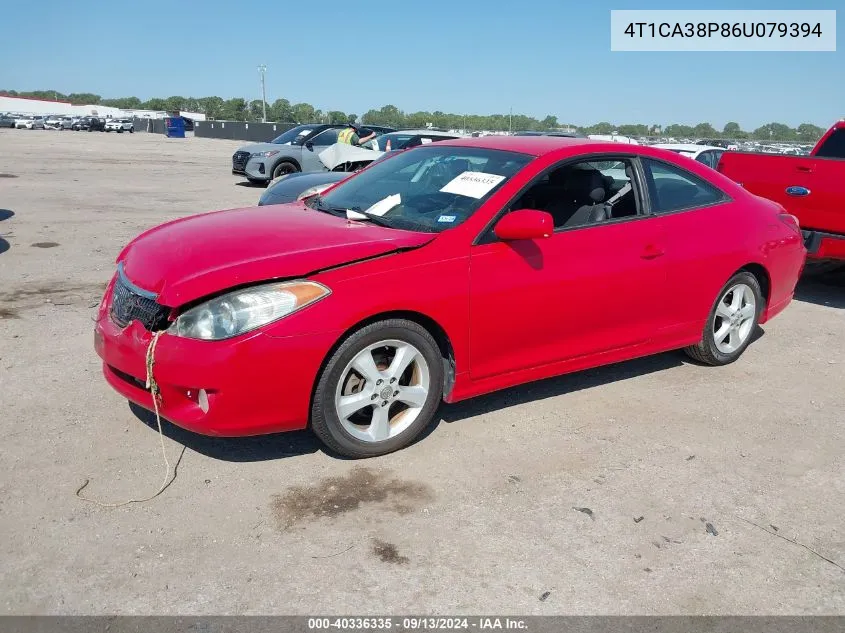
point(239, 160)
point(127, 305)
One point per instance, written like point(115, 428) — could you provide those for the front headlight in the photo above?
point(266, 154)
point(313, 190)
point(243, 310)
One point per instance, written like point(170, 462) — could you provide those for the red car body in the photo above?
point(505, 312)
point(812, 188)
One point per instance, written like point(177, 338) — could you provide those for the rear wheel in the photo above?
point(379, 390)
point(731, 322)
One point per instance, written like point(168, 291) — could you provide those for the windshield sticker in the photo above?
point(446, 218)
point(473, 184)
point(425, 141)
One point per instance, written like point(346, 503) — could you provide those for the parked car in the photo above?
point(90, 123)
point(812, 188)
point(442, 272)
point(53, 122)
point(7, 120)
point(707, 154)
point(30, 123)
point(718, 142)
point(563, 134)
point(68, 121)
point(292, 151)
point(406, 139)
point(298, 186)
point(120, 125)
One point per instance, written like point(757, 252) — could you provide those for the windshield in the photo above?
point(429, 189)
point(294, 136)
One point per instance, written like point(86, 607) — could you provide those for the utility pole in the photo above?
point(510, 122)
point(263, 69)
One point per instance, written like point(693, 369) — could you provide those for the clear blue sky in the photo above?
point(539, 57)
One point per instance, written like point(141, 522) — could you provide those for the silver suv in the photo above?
point(296, 150)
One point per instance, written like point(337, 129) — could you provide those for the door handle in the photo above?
point(804, 169)
point(652, 252)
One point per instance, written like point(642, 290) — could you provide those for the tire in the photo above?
point(422, 379)
point(284, 167)
point(710, 350)
point(132, 130)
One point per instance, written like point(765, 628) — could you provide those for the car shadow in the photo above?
point(235, 449)
point(824, 290)
point(251, 185)
point(4, 245)
point(296, 443)
point(558, 386)
point(5, 214)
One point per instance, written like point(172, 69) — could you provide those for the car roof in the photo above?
point(533, 145)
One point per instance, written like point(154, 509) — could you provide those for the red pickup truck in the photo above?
point(812, 188)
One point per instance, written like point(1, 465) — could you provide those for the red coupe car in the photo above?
point(444, 272)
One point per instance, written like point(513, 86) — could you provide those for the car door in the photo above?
point(582, 291)
point(696, 217)
point(312, 148)
point(820, 190)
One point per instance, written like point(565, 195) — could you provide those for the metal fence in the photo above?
point(240, 130)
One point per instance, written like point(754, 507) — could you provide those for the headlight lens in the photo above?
point(266, 154)
point(312, 191)
point(243, 310)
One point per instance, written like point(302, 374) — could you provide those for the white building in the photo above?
point(26, 105)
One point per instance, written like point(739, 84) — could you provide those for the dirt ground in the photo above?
point(631, 489)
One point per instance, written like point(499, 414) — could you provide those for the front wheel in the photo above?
point(379, 390)
point(731, 322)
point(283, 168)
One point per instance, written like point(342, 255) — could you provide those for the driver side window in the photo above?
point(584, 193)
point(326, 138)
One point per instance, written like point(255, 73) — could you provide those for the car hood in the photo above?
point(197, 256)
point(263, 147)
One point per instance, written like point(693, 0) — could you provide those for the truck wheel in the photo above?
point(731, 322)
point(379, 389)
point(285, 167)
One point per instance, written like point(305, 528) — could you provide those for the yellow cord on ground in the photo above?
point(154, 391)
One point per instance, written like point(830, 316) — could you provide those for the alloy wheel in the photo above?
point(734, 318)
point(382, 390)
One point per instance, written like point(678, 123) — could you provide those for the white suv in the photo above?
point(120, 125)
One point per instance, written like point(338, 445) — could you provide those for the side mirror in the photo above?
point(309, 145)
point(525, 224)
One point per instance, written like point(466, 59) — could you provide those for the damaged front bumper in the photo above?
point(248, 385)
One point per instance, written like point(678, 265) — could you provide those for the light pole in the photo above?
point(263, 69)
point(510, 122)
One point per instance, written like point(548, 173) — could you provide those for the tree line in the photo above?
point(282, 110)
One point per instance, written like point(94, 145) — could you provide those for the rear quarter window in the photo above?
point(672, 188)
point(834, 146)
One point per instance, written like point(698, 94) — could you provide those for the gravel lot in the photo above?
point(620, 490)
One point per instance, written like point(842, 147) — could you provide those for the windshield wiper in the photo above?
point(317, 204)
